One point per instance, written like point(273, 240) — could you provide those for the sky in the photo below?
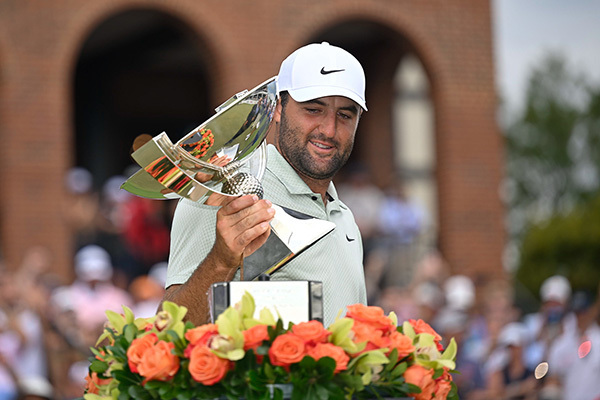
point(526, 30)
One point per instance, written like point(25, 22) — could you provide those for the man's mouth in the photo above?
point(321, 145)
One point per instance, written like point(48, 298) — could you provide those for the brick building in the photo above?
point(79, 80)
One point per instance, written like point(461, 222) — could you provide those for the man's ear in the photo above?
point(278, 110)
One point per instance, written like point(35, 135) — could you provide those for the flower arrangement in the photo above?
point(362, 355)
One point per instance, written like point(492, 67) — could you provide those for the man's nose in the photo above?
point(328, 124)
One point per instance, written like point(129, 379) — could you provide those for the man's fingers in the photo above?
point(242, 203)
point(218, 199)
point(258, 242)
point(242, 221)
point(254, 215)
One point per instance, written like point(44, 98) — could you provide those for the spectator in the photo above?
point(400, 220)
point(82, 206)
point(508, 376)
point(552, 318)
point(400, 223)
point(574, 359)
point(148, 291)
point(22, 351)
point(92, 293)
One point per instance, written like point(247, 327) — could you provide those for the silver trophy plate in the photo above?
point(225, 154)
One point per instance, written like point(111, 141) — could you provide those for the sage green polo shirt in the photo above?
point(335, 260)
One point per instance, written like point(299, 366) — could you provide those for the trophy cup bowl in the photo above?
point(226, 154)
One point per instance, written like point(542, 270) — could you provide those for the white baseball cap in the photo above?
point(556, 288)
point(319, 70)
point(93, 263)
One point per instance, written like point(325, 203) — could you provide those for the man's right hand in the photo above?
point(242, 227)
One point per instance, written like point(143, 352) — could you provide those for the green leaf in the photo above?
point(98, 366)
point(138, 392)
point(393, 359)
point(269, 372)
point(130, 332)
point(129, 317)
point(408, 330)
point(326, 367)
point(116, 320)
point(247, 305)
point(308, 363)
point(399, 370)
point(321, 392)
point(176, 311)
point(451, 350)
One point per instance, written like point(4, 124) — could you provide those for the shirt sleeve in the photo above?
point(192, 237)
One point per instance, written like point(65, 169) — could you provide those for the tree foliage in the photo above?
point(553, 172)
point(565, 244)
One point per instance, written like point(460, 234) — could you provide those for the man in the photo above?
point(321, 98)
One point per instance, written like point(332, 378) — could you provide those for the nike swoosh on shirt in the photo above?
point(331, 71)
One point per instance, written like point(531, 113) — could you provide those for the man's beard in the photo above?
point(296, 153)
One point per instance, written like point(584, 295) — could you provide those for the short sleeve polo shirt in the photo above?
point(335, 260)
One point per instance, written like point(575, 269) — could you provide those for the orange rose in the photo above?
point(330, 350)
point(201, 334)
point(364, 332)
point(206, 367)
point(287, 349)
point(402, 343)
point(443, 385)
point(371, 315)
point(423, 378)
point(254, 336)
point(93, 383)
point(312, 331)
point(138, 348)
point(442, 389)
point(421, 326)
point(159, 362)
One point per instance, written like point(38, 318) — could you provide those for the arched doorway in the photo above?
point(395, 142)
point(139, 72)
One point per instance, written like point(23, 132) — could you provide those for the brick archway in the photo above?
point(247, 41)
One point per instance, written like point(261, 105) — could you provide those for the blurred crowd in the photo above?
point(48, 323)
point(504, 352)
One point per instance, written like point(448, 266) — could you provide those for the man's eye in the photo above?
point(345, 116)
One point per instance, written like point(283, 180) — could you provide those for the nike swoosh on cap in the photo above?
point(325, 72)
point(349, 238)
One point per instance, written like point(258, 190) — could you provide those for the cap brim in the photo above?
point(311, 93)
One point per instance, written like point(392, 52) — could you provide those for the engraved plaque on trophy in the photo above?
point(293, 301)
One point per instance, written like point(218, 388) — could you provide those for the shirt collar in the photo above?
point(288, 176)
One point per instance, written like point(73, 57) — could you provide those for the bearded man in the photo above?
point(321, 92)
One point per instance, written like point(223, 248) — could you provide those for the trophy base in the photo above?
point(292, 301)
